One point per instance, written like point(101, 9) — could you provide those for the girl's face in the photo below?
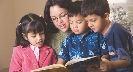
point(59, 17)
point(35, 39)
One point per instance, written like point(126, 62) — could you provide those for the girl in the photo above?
point(31, 52)
point(56, 17)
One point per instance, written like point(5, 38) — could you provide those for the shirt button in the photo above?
point(81, 41)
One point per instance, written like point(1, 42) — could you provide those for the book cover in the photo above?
point(76, 65)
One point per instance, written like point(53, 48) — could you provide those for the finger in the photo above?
point(103, 69)
point(103, 59)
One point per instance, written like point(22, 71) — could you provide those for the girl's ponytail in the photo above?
point(18, 35)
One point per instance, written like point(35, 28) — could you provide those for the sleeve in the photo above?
point(16, 61)
point(121, 44)
point(131, 46)
point(54, 57)
point(64, 51)
point(103, 45)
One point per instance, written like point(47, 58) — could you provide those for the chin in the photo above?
point(94, 30)
point(63, 30)
point(77, 33)
point(40, 46)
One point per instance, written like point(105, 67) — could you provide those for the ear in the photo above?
point(24, 36)
point(106, 16)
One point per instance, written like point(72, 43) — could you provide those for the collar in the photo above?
point(35, 50)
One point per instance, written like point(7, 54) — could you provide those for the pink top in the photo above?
point(24, 60)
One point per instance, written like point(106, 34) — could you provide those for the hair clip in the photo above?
point(40, 15)
point(19, 23)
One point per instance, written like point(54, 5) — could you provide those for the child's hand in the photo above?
point(105, 65)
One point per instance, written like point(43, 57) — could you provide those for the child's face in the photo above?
point(59, 18)
point(95, 22)
point(78, 24)
point(36, 39)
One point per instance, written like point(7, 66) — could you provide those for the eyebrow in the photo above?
point(31, 33)
point(80, 19)
point(71, 21)
point(59, 14)
point(92, 19)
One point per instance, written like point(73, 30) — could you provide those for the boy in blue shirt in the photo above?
point(118, 39)
point(82, 42)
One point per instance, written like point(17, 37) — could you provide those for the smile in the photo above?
point(62, 26)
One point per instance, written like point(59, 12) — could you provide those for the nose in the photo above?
point(75, 26)
point(90, 25)
point(60, 20)
point(39, 37)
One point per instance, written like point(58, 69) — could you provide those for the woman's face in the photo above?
point(59, 17)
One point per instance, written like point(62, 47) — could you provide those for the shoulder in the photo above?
point(46, 47)
point(96, 35)
point(118, 29)
point(92, 33)
point(69, 36)
point(18, 48)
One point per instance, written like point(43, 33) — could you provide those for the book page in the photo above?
point(84, 64)
point(76, 65)
point(49, 67)
point(77, 60)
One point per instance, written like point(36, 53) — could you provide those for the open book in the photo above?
point(76, 65)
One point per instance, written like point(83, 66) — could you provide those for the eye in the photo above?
point(33, 36)
point(87, 21)
point(42, 33)
point(63, 15)
point(93, 20)
point(53, 19)
point(70, 22)
point(79, 22)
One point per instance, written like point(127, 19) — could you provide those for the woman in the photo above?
point(56, 17)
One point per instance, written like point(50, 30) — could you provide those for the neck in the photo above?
point(106, 28)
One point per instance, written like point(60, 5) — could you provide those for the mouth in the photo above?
point(40, 43)
point(93, 29)
point(76, 30)
point(62, 26)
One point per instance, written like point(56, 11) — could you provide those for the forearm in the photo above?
point(119, 64)
point(106, 65)
point(60, 61)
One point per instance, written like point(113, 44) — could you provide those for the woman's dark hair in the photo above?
point(74, 9)
point(29, 23)
point(98, 7)
point(61, 3)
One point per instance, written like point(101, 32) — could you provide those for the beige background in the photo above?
point(10, 13)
